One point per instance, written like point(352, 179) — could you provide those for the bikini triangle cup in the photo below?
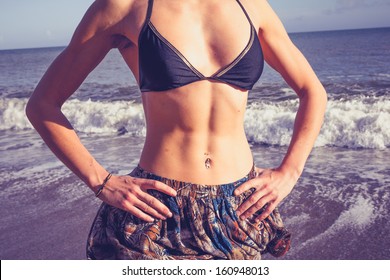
point(162, 66)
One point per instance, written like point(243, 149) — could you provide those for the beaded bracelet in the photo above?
point(101, 187)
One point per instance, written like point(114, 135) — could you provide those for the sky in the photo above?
point(45, 23)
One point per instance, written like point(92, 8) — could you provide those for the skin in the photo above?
point(187, 125)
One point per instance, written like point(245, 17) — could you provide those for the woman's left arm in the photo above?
point(273, 185)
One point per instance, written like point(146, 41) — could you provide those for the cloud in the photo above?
point(342, 6)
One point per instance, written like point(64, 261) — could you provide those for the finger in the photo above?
point(155, 204)
point(137, 212)
point(258, 171)
point(253, 183)
point(271, 207)
point(256, 207)
point(147, 208)
point(255, 196)
point(157, 185)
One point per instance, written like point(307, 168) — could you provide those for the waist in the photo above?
point(201, 159)
point(185, 188)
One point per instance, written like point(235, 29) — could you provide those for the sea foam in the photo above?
point(357, 123)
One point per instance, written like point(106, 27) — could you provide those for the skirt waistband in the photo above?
point(180, 186)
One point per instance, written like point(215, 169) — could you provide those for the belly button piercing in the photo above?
point(207, 163)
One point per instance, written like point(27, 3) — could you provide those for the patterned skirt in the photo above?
point(204, 225)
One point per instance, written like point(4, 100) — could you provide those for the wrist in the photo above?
point(293, 172)
point(96, 178)
point(101, 186)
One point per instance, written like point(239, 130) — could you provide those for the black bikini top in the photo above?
point(163, 67)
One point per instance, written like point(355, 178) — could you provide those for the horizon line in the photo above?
point(291, 32)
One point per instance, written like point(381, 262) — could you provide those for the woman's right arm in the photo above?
point(92, 40)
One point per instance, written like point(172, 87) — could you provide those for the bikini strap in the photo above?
point(147, 18)
point(245, 12)
point(149, 11)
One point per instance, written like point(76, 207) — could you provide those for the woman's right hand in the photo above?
point(130, 194)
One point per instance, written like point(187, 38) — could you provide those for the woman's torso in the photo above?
point(195, 132)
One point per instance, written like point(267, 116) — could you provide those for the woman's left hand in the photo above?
point(271, 187)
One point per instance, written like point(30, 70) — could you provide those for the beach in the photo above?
point(338, 210)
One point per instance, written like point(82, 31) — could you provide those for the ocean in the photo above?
point(339, 208)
